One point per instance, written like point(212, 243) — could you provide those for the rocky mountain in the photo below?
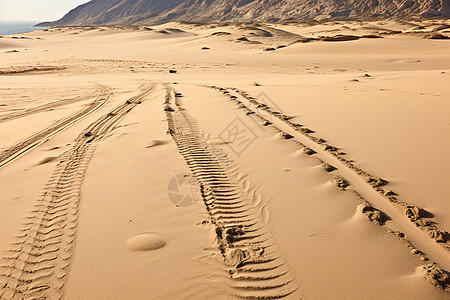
point(160, 11)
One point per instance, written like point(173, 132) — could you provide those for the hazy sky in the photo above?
point(36, 10)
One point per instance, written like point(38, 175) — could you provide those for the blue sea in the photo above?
point(12, 27)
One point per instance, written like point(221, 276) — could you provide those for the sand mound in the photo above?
point(146, 242)
point(155, 143)
point(441, 27)
point(47, 160)
point(437, 36)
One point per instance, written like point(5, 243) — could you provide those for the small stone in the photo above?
point(437, 36)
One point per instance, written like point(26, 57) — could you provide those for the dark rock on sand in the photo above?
point(437, 36)
point(340, 38)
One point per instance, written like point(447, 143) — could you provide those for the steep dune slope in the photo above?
point(157, 11)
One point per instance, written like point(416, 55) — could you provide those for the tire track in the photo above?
point(255, 267)
point(41, 136)
point(410, 222)
point(49, 106)
point(37, 265)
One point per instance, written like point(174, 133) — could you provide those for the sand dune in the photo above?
point(255, 161)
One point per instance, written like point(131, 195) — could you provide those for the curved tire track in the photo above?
point(255, 267)
point(34, 140)
point(37, 265)
point(408, 219)
point(49, 106)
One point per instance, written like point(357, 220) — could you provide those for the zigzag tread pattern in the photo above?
point(255, 267)
point(38, 262)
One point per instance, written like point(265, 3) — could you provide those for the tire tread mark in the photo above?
point(48, 106)
point(41, 136)
point(38, 262)
point(419, 229)
point(241, 248)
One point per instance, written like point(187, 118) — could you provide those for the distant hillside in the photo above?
point(160, 11)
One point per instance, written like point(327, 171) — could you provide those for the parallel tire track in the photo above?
point(34, 140)
point(255, 267)
point(412, 221)
point(37, 264)
point(49, 106)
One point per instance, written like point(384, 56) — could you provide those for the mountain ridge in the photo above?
point(150, 12)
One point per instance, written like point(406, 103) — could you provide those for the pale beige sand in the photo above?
point(86, 159)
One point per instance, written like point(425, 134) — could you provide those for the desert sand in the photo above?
point(255, 161)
